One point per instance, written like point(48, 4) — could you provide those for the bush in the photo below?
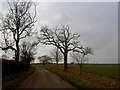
point(12, 67)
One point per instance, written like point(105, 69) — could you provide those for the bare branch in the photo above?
point(56, 55)
point(62, 39)
point(17, 24)
point(9, 47)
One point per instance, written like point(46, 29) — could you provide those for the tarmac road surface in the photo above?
point(42, 78)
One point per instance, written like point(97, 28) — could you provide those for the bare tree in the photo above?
point(62, 39)
point(80, 56)
point(56, 55)
point(17, 24)
point(28, 50)
point(45, 59)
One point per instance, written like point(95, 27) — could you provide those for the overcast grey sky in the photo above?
point(96, 22)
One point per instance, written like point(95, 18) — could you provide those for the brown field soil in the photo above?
point(111, 83)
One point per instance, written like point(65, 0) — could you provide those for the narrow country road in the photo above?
point(43, 78)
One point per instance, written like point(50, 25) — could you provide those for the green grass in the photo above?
point(106, 73)
point(103, 70)
point(77, 82)
point(16, 82)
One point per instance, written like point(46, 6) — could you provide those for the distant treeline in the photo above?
point(13, 67)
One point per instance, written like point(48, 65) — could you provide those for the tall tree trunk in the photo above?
point(65, 61)
point(57, 64)
point(17, 52)
point(57, 57)
point(80, 65)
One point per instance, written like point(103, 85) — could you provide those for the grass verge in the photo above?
point(77, 81)
point(16, 82)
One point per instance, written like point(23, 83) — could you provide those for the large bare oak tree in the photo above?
point(17, 24)
point(62, 39)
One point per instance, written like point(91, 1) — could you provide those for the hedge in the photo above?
point(13, 67)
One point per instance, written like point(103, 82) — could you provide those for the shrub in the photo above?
point(12, 67)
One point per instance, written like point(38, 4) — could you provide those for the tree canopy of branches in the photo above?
point(62, 39)
point(80, 56)
point(28, 50)
point(56, 55)
point(45, 59)
point(17, 24)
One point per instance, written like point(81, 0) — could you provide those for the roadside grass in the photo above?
point(17, 81)
point(87, 79)
point(79, 83)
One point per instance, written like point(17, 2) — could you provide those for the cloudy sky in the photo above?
point(96, 22)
